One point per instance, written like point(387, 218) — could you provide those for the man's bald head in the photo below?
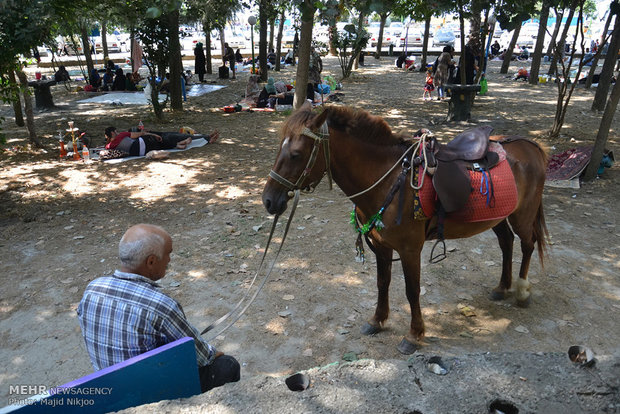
point(141, 241)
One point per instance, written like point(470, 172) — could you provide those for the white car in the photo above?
point(114, 45)
point(288, 39)
point(235, 40)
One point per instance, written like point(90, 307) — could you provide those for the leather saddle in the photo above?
point(451, 179)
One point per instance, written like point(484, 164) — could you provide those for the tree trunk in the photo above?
point(511, 47)
point(104, 41)
point(206, 27)
point(271, 33)
point(279, 41)
point(262, 44)
point(305, 43)
point(17, 105)
point(332, 33)
point(380, 37)
point(540, 43)
point(86, 47)
point(558, 20)
point(607, 71)
point(427, 30)
point(604, 41)
point(32, 134)
point(553, 67)
point(603, 133)
point(356, 55)
point(176, 64)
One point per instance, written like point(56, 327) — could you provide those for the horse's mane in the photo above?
point(362, 125)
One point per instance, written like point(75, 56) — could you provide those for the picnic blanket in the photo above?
point(196, 143)
point(139, 98)
point(565, 168)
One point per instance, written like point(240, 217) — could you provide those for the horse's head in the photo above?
point(302, 159)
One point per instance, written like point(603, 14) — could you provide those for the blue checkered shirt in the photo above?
point(125, 315)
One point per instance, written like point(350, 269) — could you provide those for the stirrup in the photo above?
point(440, 256)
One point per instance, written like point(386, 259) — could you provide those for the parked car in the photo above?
point(235, 40)
point(412, 38)
point(114, 45)
point(444, 37)
point(373, 31)
point(397, 29)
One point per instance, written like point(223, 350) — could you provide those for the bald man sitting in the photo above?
point(126, 314)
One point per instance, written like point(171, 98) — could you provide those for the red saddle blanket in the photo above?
point(484, 204)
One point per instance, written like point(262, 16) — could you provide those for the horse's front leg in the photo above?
point(411, 267)
point(384, 277)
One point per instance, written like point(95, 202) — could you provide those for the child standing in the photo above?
point(428, 86)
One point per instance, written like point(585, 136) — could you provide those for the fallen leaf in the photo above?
point(522, 329)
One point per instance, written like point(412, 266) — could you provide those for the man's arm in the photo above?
point(175, 326)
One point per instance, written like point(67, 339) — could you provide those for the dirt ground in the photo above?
point(60, 223)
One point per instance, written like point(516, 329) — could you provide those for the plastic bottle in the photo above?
point(85, 154)
point(140, 126)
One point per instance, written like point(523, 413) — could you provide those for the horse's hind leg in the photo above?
point(506, 238)
point(522, 292)
point(384, 277)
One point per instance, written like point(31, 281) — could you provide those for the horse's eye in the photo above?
point(295, 156)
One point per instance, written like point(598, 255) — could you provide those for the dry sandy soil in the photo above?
point(60, 223)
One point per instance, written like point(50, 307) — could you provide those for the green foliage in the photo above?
point(350, 38)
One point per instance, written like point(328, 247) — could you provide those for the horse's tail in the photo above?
point(541, 233)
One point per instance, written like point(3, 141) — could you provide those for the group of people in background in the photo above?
point(113, 79)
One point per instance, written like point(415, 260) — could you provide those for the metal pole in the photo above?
point(252, 40)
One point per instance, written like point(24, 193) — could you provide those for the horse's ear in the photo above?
point(319, 119)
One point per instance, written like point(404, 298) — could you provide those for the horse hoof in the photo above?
point(407, 348)
point(368, 329)
point(524, 303)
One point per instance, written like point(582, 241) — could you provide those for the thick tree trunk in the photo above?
point(262, 44)
point(381, 33)
point(511, 47)
point(427, 30)
point(607, 71)
point(540, 43)
point(271, 34)
point(279, 41)
point(17, 106)
point(305, 43)
point(104, 41)
point(332, 33)
point(32, 134)
point(603, 133)
point(86, 47)
point(206, 27)
point(176, 65)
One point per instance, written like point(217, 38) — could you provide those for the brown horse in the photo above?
point(357, 149)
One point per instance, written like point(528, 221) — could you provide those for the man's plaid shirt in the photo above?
point(125, 315)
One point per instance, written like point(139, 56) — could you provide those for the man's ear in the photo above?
point(151, 260)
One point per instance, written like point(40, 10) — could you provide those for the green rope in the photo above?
point(376, 221)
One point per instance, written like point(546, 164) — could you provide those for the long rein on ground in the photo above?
point(294, 191)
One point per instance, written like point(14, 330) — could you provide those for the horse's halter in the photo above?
point(323, 135)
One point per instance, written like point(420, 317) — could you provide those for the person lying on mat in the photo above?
point(142, 142)
point(126, 314)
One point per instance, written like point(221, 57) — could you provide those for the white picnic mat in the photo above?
point(196, 143)
point(139, 98)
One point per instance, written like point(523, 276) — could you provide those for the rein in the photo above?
point(260, 287)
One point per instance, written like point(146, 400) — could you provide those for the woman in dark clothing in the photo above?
point(238, 56)
point(470, 65)
point(120, 83)
point(200, 62)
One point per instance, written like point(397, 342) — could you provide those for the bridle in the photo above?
point(319, 138)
